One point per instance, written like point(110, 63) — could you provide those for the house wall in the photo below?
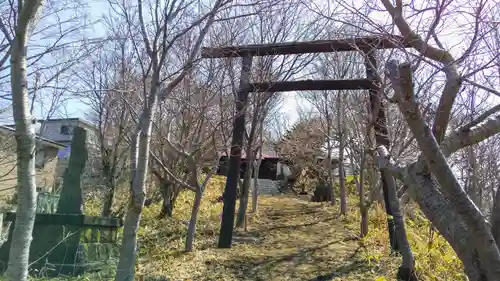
point(52, 130)
point(8, 166)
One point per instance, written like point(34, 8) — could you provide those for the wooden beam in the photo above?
point(321, 46)
point(311, 85)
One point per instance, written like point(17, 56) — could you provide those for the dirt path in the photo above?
point(289, 239)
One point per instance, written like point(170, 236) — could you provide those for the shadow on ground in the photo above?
point(297, 241)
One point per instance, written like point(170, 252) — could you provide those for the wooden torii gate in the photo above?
point(367, 45)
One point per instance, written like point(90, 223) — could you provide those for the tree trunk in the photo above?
point(108, 200)
point(245, 192)
point(495, 217)
point(364, 222)
point(25, 140)
point(255, 190)
point(331, 190)
point(483, 239)
point(139, 162)
point(379, 121)
point(407, 269)
point(472, 186)
point(109, 172)
point(363, 208)
point(438, 209)
point(373, 180)
point(169, 193)
point(343, 196)
point(167, 207)
point(192, 222)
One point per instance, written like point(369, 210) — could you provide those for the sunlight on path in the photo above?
point(288, 239)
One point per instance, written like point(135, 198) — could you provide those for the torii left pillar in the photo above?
point(233, 175)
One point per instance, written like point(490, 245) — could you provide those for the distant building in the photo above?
point(60, 129)
point(60, 133)
point(268, 166)
point(46, 162)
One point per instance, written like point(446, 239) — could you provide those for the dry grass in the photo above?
point(288, 239)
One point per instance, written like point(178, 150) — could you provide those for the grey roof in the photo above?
point(81, 121)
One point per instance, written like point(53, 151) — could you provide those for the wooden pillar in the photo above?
point(233, 175)
point(381, 135)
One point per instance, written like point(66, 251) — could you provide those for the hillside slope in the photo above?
point(287, 239)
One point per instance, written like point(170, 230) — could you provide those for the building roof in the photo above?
point(80, 121)
point(11, 131)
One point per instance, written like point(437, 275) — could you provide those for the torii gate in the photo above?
point(367, 45)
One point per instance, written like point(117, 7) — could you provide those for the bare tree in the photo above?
point(301, 146)
point(109, 82)
point(156, 40)
point(200, 143)
point(331, 110)
point(190, 104)
point(432, 169)
point(435, 156)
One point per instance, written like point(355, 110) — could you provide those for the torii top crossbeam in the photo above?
point(320, 46)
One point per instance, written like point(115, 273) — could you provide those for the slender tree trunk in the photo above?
point(472, 188)
point(245, 193)
point(331, 190)
point(377, 109)
point(495, 217)
point(139, 162)
point(373, 180)
point(340, 124)
point(168, 199)
point(363, 208)
point(407, 270)
point(194, 216)
point(108, 200)
point(25, 139)
point(255, 190)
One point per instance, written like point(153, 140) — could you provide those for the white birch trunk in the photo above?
point(25, 139)
point(194, 217)
point(139, 162)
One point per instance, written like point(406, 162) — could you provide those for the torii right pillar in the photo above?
point(381, 133)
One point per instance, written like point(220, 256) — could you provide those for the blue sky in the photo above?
point(292, 100)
